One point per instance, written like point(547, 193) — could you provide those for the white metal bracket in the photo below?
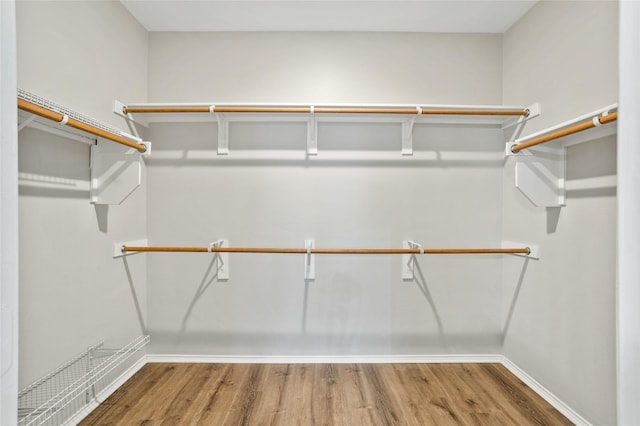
point(117, 247)
point(309, 261)
point(540, 171)
point(312, 132)
point(55, 128)
point(407, 133)
point(147, 151)
point(116, 171)
point(533, 110)
point(222, 259)
point(540, 175)
point(118, 109)
point(26, 122)
point(534, 250)
point(223, 131)
point(409, 260)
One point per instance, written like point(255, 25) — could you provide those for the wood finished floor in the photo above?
point(325, 394)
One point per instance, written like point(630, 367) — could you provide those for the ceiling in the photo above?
point(464, 16)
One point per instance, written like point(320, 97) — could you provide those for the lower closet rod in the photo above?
point(525, 250)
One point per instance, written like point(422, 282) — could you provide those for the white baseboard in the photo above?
point(328, 359)
point(545, 394)
point(102, 396)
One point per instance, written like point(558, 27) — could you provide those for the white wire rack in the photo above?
point(62, 393)
point(52, 106)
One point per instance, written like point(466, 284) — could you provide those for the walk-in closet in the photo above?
point(327, 212)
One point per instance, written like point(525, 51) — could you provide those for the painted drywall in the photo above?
point(72, 293)
point(559, 312)
point(325, 67)
point(358, 192)
point(629, 209)
point(8, 217)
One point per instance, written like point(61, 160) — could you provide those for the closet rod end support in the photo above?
point(533, 250)
point(510, 152)
point(147, 149)
point(119, 247)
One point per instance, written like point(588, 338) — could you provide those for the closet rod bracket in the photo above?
point(118, 248)
point(409, 261)
point(534, 249)
point(533, 111)
point(309, 261)
point(407, 133)
point(221, 259)
point(147, 151)
point(223, 131)
point(120, 108)
point(312, 132)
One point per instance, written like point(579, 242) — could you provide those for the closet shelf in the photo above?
point(588, 121)
point(115, 168)
point(541, 166)
point(312, 114)
point(63, 116)
point(325, 109)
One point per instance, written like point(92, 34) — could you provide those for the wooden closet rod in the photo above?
point(565, 132)
point(323, 110)
point(58, 117)
point(127, 249)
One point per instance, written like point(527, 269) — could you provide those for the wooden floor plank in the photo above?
point(222, 394)
point(445, 399)
point(152, 406)
point(418, 391)
point(325, 394)
point(357, 403)
point(529, 404)
point(487, 406)
point(124, 398)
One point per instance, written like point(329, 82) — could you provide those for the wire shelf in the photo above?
point(59, 395)
point(52, 106)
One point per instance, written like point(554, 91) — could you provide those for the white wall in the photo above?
point(72, 293)
point(8, 217)
point(325, 67)
point(559, 312)
point(266, 193)
point(629, 210)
